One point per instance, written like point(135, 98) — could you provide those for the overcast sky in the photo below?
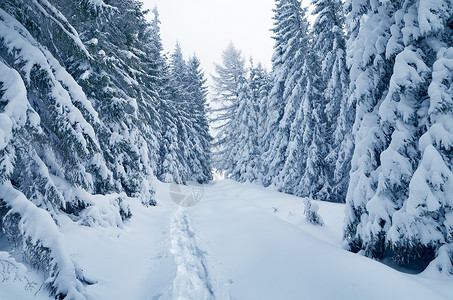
point(205, 27)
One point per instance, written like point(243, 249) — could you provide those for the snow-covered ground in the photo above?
point(240, 241)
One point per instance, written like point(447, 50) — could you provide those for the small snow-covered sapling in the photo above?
point(311, 213)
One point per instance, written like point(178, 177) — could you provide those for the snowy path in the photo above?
point(191, 280)
point(241, 242)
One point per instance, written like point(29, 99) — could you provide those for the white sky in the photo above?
point(205, 27)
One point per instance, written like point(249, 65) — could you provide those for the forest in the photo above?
point(357, 109)
point(96, 118)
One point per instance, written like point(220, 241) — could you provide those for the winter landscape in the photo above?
point(127, 172)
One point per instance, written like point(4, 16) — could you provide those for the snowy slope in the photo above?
point(240, 241)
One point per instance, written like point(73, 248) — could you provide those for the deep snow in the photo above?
point(241, 241)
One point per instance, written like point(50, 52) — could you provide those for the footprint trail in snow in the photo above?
point(191, 280)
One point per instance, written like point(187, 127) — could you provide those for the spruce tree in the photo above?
point(48, 139)
point(198, 94)
point(422, 229)
point(226, 99)
point(330, 41)
point(368, 29)
point(291, 41)
point(245, 154)
point(399, 119)
point(314, 177)
point(248, 140)
point(397, 198)
point(185, 153)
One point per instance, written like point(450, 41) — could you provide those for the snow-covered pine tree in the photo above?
point(369, 31)
point(158, 67)
point(119, 82)
point(329, 40)
point(49, 143)
point(178, 77)
point(42, 246)
point(169, 165)
point(169, 161)
point(284, 100)
point(314, 142)
point(180, 105)
point(294, 164)
point(297, 149)
point(197, 95)
point(399, 115)
point(234, 151)
point(188, 99)
point(244, 156)
point(421, 93)
point(400, 121)
point(41, 83)
point(263, 107)
point(226, 104)
point(401, 167)
point(247, 160)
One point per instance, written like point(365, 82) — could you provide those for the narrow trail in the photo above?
point(191, 280)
